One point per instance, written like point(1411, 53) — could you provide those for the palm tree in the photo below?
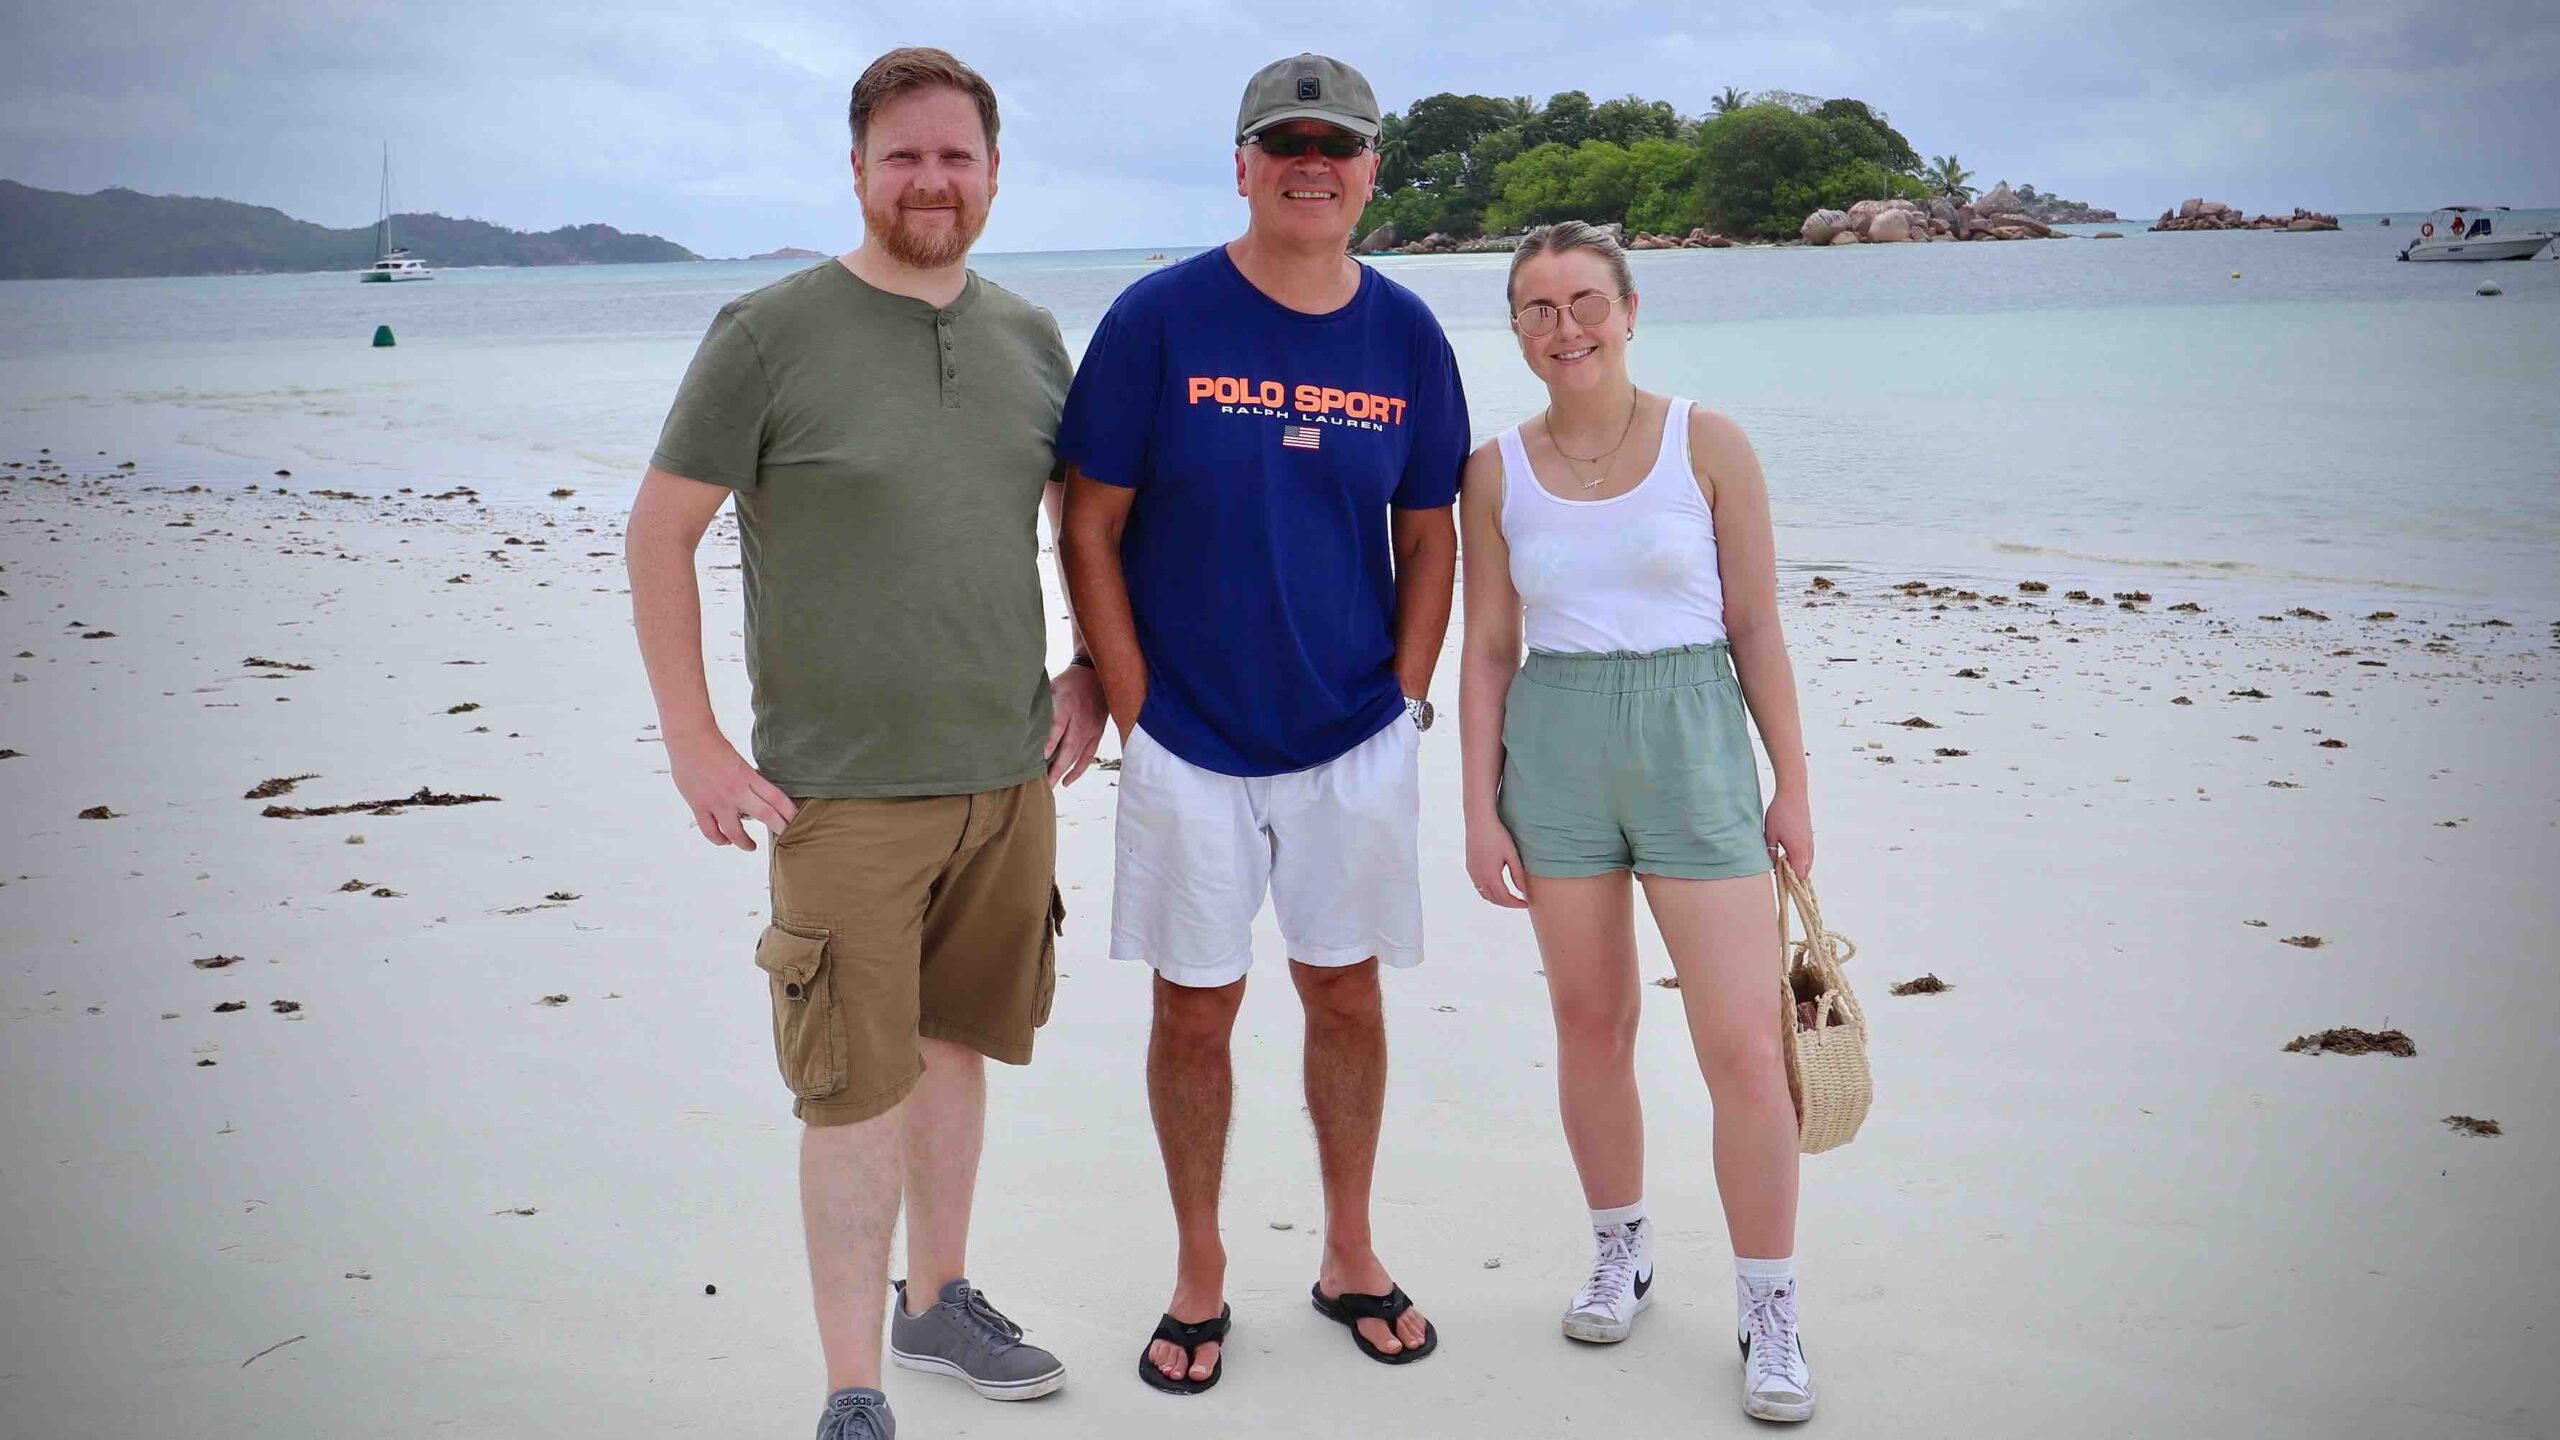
point(1395, 152)
point(1949, 178)
point(1730, 101)
point(1514, 110)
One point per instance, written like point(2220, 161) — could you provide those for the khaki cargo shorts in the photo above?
point(898, 917)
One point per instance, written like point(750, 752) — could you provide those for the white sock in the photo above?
point(1619, 1215)
point(1762, 1276)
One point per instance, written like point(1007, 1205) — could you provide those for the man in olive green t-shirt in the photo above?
point(885, 423)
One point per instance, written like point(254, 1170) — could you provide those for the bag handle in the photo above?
point(1795, 894)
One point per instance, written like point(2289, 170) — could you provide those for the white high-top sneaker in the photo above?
point(1620, 1287)
point(1777, 1384)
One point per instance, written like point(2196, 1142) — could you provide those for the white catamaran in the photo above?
point(390, 261)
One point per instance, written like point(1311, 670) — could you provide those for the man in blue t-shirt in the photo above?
point(1265, 442)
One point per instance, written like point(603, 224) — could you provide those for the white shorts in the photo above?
point(1334, 844)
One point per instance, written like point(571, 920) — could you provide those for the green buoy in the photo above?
point(382, 337)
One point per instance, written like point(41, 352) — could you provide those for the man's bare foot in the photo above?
point(1191, 1305)
point(1364, 1275)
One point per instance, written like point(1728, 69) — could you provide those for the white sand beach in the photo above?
point(2096, 1196)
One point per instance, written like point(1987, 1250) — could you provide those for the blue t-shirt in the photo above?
point(1266, 446)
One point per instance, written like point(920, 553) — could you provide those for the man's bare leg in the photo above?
point(945, 1128)
point(849, 1178)
point(1191, 1087)
point(1346, 1078)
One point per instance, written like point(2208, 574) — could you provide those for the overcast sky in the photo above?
point(721, 126)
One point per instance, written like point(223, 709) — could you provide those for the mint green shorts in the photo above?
point(1632, 762)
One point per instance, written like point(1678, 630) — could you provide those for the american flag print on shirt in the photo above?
point(1301, 437)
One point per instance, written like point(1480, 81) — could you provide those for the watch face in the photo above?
point(1420, 711)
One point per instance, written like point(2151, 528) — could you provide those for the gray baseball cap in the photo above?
point(1307, 87)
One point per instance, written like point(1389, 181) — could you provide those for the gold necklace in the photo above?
point(1604, 457)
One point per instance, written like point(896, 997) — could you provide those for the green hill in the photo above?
point(53, 235)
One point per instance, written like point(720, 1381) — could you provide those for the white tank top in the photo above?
point(1633, 572)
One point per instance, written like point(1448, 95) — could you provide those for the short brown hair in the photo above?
point(1567, 235)
point(917, 67)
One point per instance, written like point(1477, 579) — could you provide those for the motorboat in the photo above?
point(390, 262)
point(2473, 232)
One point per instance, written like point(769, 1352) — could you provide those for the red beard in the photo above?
point(925, 245)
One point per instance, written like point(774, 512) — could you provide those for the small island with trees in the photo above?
point(1467, 172)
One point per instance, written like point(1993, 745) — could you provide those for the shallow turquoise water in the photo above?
point(2330, 419)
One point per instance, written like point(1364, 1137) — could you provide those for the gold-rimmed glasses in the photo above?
point(1589, 311)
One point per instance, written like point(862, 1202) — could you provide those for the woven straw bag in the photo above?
point(1825, 1027)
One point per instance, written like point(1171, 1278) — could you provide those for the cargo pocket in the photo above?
point(1047, 994)
point(804, 1010)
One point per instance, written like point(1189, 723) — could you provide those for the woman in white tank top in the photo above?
point(1625, 536)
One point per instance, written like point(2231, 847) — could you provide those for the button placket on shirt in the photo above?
point(950, 361)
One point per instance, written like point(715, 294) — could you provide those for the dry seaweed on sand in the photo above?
point(2349, 1041)
point(285, 1007)
point(215, 962)
point(1669, 982)
point(1928, 984)
point(100, 812)
point(2472, 1125)
point(280, 785)
point(425, 796)
point(228, 1006)
point(554, 1001)
point(1916, 722)
point(254, 663)
point(2305, 942)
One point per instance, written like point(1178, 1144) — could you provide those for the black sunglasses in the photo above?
point(1332, 144)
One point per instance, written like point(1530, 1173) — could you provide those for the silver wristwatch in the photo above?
point(1419, 712)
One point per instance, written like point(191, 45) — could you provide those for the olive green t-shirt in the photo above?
point(888, 459)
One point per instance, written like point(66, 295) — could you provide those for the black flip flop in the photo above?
point(1190, 1337)
point(1349, 1309)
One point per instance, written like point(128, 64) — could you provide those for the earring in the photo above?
point(1631, 332)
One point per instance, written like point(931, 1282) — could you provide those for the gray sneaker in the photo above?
point(965, 1335)
point(854, 1413)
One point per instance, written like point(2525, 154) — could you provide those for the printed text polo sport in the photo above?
point(1268, 449)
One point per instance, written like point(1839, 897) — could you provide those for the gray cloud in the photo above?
point(722, 127)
